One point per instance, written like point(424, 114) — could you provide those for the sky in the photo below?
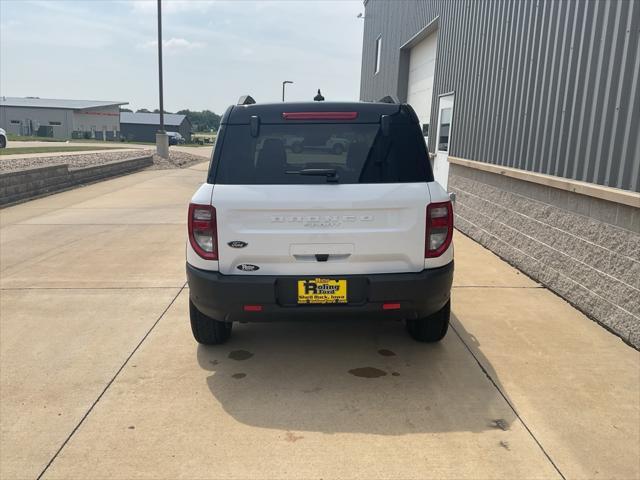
point(214, 51)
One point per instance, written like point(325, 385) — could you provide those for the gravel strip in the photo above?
point(8, 164)
point(177, 160)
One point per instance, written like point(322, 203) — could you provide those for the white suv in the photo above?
point(277, 234)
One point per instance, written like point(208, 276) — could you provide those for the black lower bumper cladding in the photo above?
point(224, 297)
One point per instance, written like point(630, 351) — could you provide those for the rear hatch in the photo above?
point(321, 195)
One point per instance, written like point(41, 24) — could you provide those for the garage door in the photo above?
point(422, 63)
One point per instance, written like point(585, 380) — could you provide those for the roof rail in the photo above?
point(387, 99)
point(246, 100)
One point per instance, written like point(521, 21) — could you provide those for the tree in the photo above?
point(125, 110)
point(205, 120)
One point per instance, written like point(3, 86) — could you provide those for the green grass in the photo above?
point(93, 141)
point(12, 137)
point(22, 150)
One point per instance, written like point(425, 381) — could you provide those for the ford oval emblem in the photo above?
point(247, 267)
point(237, 244)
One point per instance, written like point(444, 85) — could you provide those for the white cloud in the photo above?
point(172, 45)
point(234, 48)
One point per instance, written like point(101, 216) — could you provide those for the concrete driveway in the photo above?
point(100, 377)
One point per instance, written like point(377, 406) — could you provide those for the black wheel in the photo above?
point(296, 147)
point(338, 148)
point(3, 142)
point(432, 328)
point(206, 330)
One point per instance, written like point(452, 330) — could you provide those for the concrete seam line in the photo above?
point(571, 302)
point(95, 402)
point(484, 370)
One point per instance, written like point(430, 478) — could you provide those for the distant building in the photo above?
point(142, 127)
point(56, 118)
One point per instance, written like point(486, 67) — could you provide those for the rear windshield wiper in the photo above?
point(329, 173)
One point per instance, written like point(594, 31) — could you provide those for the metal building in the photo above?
point(142, 127)
point(64, 119)
point(532, 111)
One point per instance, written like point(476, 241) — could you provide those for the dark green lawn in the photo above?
point(52, 149)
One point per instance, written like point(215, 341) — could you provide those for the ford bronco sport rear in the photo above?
point(285, 229)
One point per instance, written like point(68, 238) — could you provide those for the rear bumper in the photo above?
point(223, 296)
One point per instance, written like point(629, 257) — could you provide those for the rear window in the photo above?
point(313, 153)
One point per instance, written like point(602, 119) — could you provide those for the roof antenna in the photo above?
point(318, 97)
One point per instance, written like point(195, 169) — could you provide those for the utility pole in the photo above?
point(283, 84)
point(162, 140)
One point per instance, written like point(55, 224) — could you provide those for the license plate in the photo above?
point(322, 290)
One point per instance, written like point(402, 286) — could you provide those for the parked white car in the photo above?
point(275, 235)
point(3, 138)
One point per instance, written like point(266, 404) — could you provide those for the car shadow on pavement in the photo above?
point(352, 376)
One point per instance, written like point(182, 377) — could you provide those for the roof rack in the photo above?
point(387, 99)
point(246, 100)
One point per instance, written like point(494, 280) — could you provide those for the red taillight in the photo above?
point(252, 308)
point(203, 231)
point(320, 115)
point(439, 229)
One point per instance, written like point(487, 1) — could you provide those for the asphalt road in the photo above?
point(100, 378)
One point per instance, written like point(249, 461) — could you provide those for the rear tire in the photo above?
point(432, 328)
point(206, 330)
point(3, 142)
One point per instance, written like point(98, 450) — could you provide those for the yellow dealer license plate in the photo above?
point(322, 290)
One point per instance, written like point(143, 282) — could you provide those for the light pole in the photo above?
point(283, 84)
point(162, 140)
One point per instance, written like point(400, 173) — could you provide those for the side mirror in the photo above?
point(452, 197)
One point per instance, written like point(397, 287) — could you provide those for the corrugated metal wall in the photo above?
point(549, 86)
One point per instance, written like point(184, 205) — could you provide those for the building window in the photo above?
point(55, 123)
point(15, 122)
point(445, 124)
point(378, 54)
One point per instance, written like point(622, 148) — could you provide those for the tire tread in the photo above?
point(432, 328)
point(207, 330)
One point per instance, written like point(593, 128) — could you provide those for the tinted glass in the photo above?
point(357, 153)
point(445, 123)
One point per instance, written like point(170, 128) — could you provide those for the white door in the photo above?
point(441, 162)
point(422, 64)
